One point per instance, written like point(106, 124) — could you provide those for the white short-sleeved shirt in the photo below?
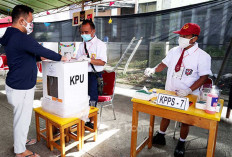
point(96, 49)
point(196, 63)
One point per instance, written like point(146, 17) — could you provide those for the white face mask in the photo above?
point(29, 27)
point(184, 42)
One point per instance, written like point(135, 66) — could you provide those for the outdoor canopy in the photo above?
point(6, 6)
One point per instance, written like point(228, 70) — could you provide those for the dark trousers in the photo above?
point(230, 98)
point(92, 86)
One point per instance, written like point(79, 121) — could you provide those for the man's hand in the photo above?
point(64, 59)
point(68, 56)
point(149, 71)
point(84, 58)
point(42, 58)
point(184, 92)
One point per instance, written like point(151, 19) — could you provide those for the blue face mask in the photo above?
point(86, 37)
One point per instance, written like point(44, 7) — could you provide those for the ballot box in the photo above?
point(65, 88)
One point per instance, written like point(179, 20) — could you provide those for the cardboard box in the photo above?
point(65, 87)
point(202, 105)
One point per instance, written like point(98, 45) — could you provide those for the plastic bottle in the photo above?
point(212, 100)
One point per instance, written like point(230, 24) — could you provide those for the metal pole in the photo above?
point(120, 50)
point(136, 6)
point(83, 6)
point(96, 10)
point(224, 62)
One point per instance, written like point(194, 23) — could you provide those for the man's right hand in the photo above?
point(149, 71)
point(64, 59)
point(42, 58)
point(84, 58)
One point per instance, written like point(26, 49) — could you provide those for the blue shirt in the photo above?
point(22, 52)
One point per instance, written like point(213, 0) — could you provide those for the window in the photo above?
point(147, 7)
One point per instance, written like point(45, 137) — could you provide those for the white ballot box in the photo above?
point(65, 88)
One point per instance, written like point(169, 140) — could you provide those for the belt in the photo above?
point(93, 73)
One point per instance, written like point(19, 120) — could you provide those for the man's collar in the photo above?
point(93, 39)
point(193, 48)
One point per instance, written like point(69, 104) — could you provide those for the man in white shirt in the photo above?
point(188, 69)
point(97, 56)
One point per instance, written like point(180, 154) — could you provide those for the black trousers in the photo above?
point(230, 98)
point(92, 86)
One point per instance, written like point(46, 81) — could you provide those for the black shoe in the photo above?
point(159, 139)
point(89, 124)
point(180, 149)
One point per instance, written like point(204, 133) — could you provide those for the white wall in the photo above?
point(180, 3)
point(51, 45)
point(168, 4)
point(146, 1)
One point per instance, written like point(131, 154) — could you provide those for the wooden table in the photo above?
point(192, 116)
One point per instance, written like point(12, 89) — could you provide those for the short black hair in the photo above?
point(90, 22)
point(20, 10)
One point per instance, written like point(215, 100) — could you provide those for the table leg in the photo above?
point(95, 128)
point(212, 139)
point(151, 130)
point(79, 134)
point(50, 135)
point(37, 126)
point(228, 112)
point(82, 134)
point(62, 142)
point(47, 133)
point(134, 128)
point(67, 131)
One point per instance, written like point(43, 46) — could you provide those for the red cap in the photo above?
point(189, 29)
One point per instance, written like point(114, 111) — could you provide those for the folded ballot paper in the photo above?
point(144, 94)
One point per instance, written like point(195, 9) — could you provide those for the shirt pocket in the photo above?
point(190, 72)
point(190, 75)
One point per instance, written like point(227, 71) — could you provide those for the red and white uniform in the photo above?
point(196, 63)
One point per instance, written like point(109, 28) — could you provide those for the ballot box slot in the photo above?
point(52, 86)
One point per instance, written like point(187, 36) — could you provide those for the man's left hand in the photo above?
point(184, 92)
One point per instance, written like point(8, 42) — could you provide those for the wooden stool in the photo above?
point(63, 124)
point(93, 132)
point(39, 131)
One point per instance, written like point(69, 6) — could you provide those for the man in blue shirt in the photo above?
point(22, 52)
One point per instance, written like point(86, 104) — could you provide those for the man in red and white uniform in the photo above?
point(188, 69)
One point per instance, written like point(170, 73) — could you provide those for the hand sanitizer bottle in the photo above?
point(212, 100)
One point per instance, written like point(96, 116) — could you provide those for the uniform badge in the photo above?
point(186, 26)
point(93, 55)
point(188, 71)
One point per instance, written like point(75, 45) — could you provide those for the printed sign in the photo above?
point(173, 101)
point(76, 78)
point(79, 17)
